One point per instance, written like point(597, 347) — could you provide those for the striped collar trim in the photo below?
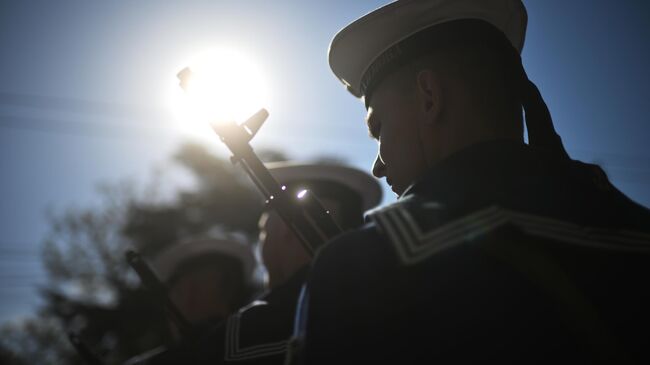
point(413, 245)
point(234, 351)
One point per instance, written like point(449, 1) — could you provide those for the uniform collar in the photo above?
point(485, 173)
point(526, 179)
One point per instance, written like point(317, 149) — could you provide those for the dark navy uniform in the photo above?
point(500, 253)
point(260, 332)
point(257, 334)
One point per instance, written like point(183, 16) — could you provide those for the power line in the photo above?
point(130, 111)
point(122, 130)
point(22, 276)
point(79, 105)
point(74, 127)
point(11, 246)
point(85, 129)
point(19, 287)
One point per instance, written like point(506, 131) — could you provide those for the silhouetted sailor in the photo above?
point(259, 333)
point(207, 280)
point(497, 251)
point(345, 192)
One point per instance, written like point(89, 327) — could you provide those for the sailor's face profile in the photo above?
point(201, 294)
point(397, 118)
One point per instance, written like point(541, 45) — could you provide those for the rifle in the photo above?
point(303, 214)
point(151, 282)
point(155, 286)
point(159, 290)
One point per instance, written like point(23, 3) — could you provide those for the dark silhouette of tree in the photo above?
point(92, 291)
point(223, 198)
point(35, 341)
point(8, 357)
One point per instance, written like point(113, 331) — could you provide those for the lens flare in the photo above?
point(225, 86)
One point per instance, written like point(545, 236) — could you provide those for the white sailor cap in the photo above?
point(168, 262)
point(361, 52)
point(357, 181)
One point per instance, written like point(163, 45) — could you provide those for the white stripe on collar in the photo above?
point(233, 351)
point(413, 245)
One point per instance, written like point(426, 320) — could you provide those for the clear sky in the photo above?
point(85, 85)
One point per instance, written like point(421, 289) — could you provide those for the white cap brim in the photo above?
point(366, 186)
point(171, 259)
point(354, 49)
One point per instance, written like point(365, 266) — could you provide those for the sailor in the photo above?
point(497, 250)
point(344, 191)
point(259, 333)
point(208, 278)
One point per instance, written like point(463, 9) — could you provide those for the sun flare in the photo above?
point(224, 86)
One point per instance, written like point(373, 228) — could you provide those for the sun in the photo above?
point(225, 86)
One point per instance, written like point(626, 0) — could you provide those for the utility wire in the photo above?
point(125, 130)
point(79, 105)
point(86, 129)
point(117, 129)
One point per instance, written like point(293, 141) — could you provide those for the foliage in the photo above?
point(92, 291)
point(39, 339)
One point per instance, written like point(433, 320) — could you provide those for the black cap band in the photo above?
point(541, 133)
point(447, 35)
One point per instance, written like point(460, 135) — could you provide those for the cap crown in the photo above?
point(357, 46)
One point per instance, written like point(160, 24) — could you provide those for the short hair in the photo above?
point(489, 74)
point(473, 51)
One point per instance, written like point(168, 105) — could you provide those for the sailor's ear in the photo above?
point(429, 92)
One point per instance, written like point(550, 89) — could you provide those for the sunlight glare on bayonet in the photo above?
point(223, 86)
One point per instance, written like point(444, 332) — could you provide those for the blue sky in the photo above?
point(83, 96)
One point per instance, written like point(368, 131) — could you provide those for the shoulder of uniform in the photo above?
point(350, 241)
point(247, 345)
point(418, 229)
point(404, 222)
point(350, 251)
point(417, 207)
